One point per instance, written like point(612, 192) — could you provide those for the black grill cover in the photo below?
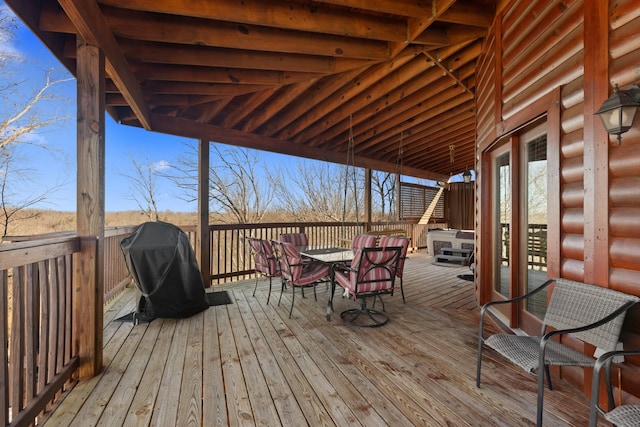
point(164, 267)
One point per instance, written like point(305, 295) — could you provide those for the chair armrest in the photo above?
point(604, 361)
point(486, 306)
point(546, 337)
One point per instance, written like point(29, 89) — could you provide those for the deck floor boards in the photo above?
point(247, 363)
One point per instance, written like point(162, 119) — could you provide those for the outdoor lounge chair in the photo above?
point(589, 313)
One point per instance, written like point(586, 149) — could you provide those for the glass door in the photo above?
point(534, 225)
point(502, 223)
point(519, 224)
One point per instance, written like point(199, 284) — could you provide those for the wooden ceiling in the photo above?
point(384, 84)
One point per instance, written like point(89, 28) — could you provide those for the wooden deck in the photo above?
point(247, 363)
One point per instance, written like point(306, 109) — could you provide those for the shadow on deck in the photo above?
point(247, 363)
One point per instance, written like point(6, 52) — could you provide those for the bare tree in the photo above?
point(24, 113)
point(143, 190)
point(319, 191)
point(383, 185)
point(240, 183)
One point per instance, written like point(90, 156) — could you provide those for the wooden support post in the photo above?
point(89, 263)
point(202, 239)
point(596, 142)
point(367, 198)
point(398, 189)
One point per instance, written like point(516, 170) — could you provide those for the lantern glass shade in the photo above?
point(466, 176)
point(618, 112)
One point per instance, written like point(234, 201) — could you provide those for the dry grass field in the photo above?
point(33, 222)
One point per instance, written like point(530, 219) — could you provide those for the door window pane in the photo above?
point(536, 218)
point(502, 223)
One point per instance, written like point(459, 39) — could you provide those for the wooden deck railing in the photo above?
point(36, 326)
point(231, 256)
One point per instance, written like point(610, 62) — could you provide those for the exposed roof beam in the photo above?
point(219, 74)
point(469, 13)
point(232, 58)
point(203, 32)
point(190, 129)
point(188, 88)
point(394, 7)
point(372, 76)
point(322, 90)
point(277, 14)
point(88, 19)
point(385, 84)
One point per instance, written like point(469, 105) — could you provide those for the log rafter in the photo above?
point(301, 72)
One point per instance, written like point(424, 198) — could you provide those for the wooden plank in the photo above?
point(214, 404)
point(262, 402)
point(190, 399)
point(365, 409)
point(70, 406)
point(145, 399)
point(167, 413)
point(238, 402)
point(285, 402)
point(314, 411)
point(117, 409)
point(93, 408)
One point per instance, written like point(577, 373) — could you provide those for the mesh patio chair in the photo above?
point(589, 313)
point(297, 272)
point(297, 239)
point(623, 415)
point(403, 242)
point(266, 263)
point(372, 273)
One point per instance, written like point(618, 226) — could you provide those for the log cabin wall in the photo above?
point(560, 59)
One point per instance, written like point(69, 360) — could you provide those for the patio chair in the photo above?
point(298, 273)
point(371, 274)
point(624, 415)
point(592, 314)
point(297, 239)
point(266, 263)
point(403, 242)
point(363, 241)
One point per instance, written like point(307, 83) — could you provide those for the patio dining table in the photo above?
point(333, 256)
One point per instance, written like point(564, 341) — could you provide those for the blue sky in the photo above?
point(56, 166)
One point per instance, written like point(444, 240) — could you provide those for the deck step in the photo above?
point(451, 258)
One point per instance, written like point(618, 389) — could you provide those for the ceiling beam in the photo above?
point(91, 25)
point(219, 75)
point(191, 129)
point(157, 53)
point(278, 14)
point(203, 32)
point(372, 76)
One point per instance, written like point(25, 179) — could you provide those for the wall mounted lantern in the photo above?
point(617, 112)
point(466, 176)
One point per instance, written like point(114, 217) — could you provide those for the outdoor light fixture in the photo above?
point(617, 112)
point(466, 176)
